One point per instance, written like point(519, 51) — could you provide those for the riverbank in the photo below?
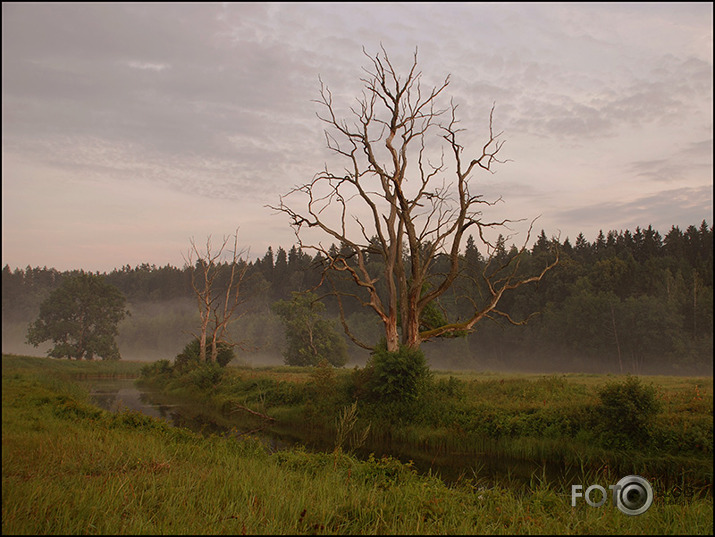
point(69, 467)
point(72, 369)
point(510, 426)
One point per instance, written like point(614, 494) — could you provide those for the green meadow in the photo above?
point(72, 468)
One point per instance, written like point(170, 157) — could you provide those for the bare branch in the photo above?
point(399, 197)
point(216, 308)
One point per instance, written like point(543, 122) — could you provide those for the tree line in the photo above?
point(404, 216)
point(630, 301)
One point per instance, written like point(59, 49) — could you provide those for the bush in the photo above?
point(155, 369)
point(450, 387)
point(392, 382)
point(189, 357)
point(206, 376)
point(626, 413)
point(321, 393)
point(398, 376)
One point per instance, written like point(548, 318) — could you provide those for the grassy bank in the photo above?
point(69, 467)
point(559, 421)
point(71, 369)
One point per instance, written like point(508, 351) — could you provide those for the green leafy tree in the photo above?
point(310, 337)
point(80, 317)
point(651, 329)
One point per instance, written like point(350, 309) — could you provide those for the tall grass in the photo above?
point(72, 369)
point(71, 468)
point(557, 420)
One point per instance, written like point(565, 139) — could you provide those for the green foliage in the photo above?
point(322, 393)
point(630, 301)
point(80, 317)
point(123, 473)
point(100, 461)
point(433, 316)
point(627, 413)
point(189, 358)
point(346, 432)
point(204, 377)
point(310, 337)
point(70, 408)
point(158, 368)
point(323, 377)
point(450, 387)
point(392, 383)
point(398, 376)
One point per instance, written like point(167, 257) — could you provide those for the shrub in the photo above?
point(397, 376)
point(189, 357)
point(321, 393)
point(206, 376)
point(392, 382)
point(450, 387)
point(626, 413)
point(155, 369)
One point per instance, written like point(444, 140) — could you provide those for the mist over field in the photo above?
point(187, 120)
point(357, 268)
point(629, 303)
point(144, 345)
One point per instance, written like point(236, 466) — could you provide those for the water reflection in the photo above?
point(122, 394)
point(115, 395)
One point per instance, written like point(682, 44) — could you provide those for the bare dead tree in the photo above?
point(216, 306)
point(398, 198)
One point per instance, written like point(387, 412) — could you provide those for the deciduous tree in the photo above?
point(407, 195)
point(310, 337)
point(217, 286)
point(80, 317)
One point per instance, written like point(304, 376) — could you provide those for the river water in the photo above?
point(123, 394)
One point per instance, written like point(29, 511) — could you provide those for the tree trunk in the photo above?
point(391, 336)
point(615, 335)
point(214, 349)
point(202, 346)
point(411, 329)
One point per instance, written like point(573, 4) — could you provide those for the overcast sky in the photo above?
point(127, 129)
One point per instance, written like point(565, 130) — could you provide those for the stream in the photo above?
point(122, 394)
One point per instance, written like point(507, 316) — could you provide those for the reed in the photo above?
point(347, 434)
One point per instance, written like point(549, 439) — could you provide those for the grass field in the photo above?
point(69, 467)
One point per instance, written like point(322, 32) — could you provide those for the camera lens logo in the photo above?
point(633, 495)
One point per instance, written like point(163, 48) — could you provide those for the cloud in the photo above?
point(677, 206)
point(214, 102)
point(695, 159)
point(148, 65)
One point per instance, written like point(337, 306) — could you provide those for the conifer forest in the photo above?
point(632, 301)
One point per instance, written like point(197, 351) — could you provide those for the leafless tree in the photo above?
point(399, 198)
point(217, 304)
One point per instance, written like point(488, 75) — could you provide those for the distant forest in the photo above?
point(634, 302)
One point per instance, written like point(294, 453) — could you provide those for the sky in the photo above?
point(129, 129)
